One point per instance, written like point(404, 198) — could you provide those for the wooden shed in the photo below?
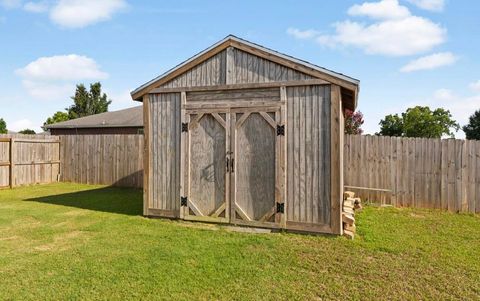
point(245, 135)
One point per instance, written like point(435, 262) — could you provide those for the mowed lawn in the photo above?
point(68, 241)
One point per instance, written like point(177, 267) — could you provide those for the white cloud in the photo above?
point(81, 13)
point(395, 31)
point(302, 34)
point(10, 3)
point(55, 77)
point(36, 7)
point(121, 100)
point(461, 107)
point(430, 62)
point(386, 9)
point(22, 124)
point(475, 86)
point(62, 67)
point(48, 90)
point(400, 37)
point(432, 5)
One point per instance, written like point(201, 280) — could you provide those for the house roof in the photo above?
point(340, 79)
point(132, 117)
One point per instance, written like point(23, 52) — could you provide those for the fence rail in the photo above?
point(102, 159)
point(415, 172)
point(28, 159)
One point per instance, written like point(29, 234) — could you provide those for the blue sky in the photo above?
point(405, 52)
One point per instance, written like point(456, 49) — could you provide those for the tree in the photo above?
point(27, 132)
point(472, 129)
point(353, 122)
point(57, 117)
point(419, 122)
point(3, 127)
point(87, 103)
point(392, 125)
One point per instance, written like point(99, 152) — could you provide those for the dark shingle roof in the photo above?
point(132, 117)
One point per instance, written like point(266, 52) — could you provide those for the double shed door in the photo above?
point(233, 166)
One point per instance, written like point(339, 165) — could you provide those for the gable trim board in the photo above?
point(350, 86)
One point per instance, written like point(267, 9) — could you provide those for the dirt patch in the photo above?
point(15, 237)
point(75, 213)
point(417, 215)
point(60, 242)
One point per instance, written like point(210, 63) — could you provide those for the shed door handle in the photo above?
point(232, 166)
point(228, 165)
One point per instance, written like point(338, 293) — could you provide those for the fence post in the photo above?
point(12, 163)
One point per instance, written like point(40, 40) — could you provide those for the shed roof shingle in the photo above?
point(132, 117)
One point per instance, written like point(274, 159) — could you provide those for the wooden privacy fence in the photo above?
point(28, 159)
point(414, 172)
point(102, 159)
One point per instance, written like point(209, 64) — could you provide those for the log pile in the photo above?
point(350, 205)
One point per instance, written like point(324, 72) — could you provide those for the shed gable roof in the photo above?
point(342, 80)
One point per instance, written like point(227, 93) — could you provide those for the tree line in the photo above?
point(417, 122)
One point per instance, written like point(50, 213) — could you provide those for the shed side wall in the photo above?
point(164, 159)
point(308, 155)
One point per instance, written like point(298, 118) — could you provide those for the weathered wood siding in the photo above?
point(209, 73)
point(164, 134)
point(308, 154)
point(115, 160)
point(242, 68)
point(308, 130)
point(249, 68)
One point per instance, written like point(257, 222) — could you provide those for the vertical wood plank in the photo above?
point(336, 161)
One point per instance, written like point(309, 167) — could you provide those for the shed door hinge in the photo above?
point(280, 130)
point(183, 201)
point(184, 127)
point(280, 207)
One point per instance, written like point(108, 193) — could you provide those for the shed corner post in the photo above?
point(336, 155)
point(146, 154)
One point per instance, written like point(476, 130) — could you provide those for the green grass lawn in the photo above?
point(67, 241)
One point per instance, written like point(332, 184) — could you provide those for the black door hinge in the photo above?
point(280, 207)
point(183, 201)
point(280, 130)
point(184, 127)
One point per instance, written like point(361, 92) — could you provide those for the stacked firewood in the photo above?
point(350, 205)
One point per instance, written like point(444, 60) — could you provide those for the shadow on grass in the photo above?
point(126, 201)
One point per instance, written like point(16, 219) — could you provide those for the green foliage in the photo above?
point(472, 129)
point(87, 103)
point(419, 122)
point(27, 132)
point(392, 125)
point(3, 127)
point(57, 117)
